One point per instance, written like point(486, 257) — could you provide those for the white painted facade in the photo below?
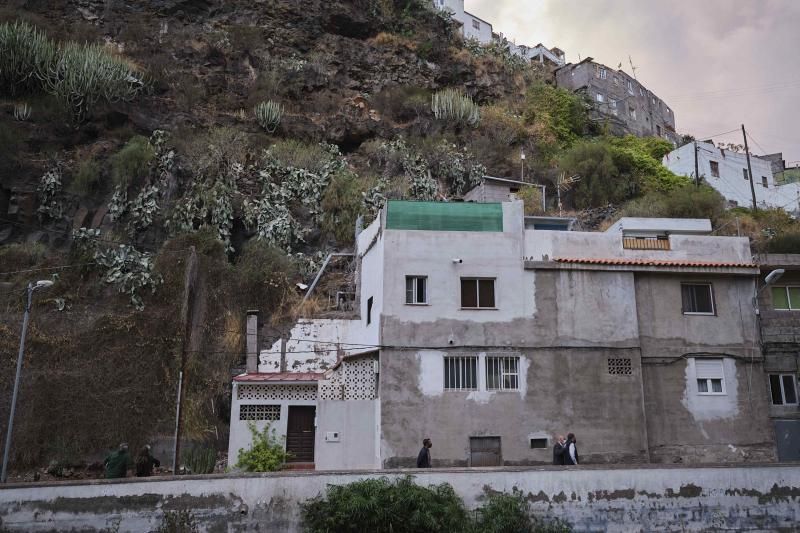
point(726, 172)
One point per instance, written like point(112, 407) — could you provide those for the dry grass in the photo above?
point(392, 40)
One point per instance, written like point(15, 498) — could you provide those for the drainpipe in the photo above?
point(252, 341)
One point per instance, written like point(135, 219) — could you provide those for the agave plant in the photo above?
point(22, 112)
point(26, 56)
point(453, 106)
point(269, 115)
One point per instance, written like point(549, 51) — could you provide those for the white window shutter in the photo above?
point(708, 368)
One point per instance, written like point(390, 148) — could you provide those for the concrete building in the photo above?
point(727, 172)
point(489, 335)
point(620, 101)
point(779, 306)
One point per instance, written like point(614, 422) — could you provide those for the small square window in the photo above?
point(710, 376)
point(764, 182)
point(416, 290)
point(697, 299)
point(783, 388)
point(461, 372)
point(477, 293)
point(538, 443)
point(714, 168)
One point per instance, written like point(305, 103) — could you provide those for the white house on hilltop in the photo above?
point(727, 172)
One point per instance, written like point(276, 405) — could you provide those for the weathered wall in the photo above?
point(561, 390)
point(355, 424)
point(764, 498)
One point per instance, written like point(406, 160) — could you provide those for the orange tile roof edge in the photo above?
point(653, 262)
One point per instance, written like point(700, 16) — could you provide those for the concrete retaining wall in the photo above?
point(755, 498)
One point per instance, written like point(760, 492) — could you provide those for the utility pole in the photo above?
point(187, 315)
point(696, 170)
point(749, 170)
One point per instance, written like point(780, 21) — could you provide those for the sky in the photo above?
point(717, 63)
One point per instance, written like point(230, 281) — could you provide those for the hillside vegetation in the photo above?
point(256, 133)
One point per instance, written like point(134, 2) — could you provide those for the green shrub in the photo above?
point(86, 178)
point(341, 205)
point(557, 117)
point(21, 256)
point(298, 154)
point(784, 243)
point(269, 115)
point(26, 57)
point(133, 161)
point(532, 199)
point(380, 505)
point(263, 276)
point(687, 201)
point(266, 453)
point(506, 513)
point(452, 106)
point(200, 460)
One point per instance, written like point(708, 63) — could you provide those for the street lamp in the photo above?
point(42, 284)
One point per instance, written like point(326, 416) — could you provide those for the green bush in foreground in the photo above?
point(401, 506)
point(132, 161)
point(266, 454)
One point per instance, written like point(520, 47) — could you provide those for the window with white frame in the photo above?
point(786, 298)
point(502, 373)
point(461, 372)
point(710, 376)
point(697, 299)
point(416, 290)
point(477, 293)
point(603, 73)
point(630, 87)
point(783, 388)
point(600, 97)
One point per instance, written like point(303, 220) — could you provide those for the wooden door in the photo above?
point(485, 451)
point(300, 433)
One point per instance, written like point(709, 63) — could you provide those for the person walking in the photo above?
point(145, 462)
point(559, 449)
point(571, 454)
point(118, 462)
point(424, 457)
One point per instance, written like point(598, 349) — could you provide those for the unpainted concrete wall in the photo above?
point(765, 498)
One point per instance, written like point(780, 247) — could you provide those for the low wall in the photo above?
point(763, 498)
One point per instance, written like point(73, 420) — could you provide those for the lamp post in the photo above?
point(43, 284)
point(771, 278)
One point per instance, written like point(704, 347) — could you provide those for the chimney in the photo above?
point(252, 341)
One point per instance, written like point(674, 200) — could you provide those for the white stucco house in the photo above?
point(727, 172)
point(472, 323)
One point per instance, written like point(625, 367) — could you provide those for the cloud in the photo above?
point(717, 63)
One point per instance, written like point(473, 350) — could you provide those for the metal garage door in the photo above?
point(485, 451)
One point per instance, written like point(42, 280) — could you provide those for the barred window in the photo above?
point(461, 373)
point(259, 412)
point(502, 373)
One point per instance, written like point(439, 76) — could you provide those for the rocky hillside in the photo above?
point(254, 132)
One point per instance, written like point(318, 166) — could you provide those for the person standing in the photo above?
point(559, 449)
point(145, 462)
point(118, 462)
point(571, 455)
point(424, 457)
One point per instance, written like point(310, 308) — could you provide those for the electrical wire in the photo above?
point(703, 137)
point(58, 267)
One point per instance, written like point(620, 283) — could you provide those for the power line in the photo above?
point(59, 267)
point(781, 85)
point(750, 136)
point(716, 134)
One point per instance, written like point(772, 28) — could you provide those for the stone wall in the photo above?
point(754, 498)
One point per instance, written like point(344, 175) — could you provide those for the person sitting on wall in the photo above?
point(118, 462)
point(559, 449)
point(424, 457)
point(571, 454)
point(145, 462)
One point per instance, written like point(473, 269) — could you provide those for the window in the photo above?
point(477, 293)
point(632, 113)
point(461, 373)
point(620, 366)
point(259, 412)
point(710, 376)
point(744, 171)
point(612, 103)
point(764, 182)
point(783, 388)
point(600, 97)
point(603, 73)
point(476, 24)
point(416, 290)
point(786, 298)
point(630, 87)
point(658, 130)
point(641, 92)
point(714, 168)
point(659, 242)
point(538, 443)
point(369, 310)
point(697, 298)
point(616, 80)
point(502, 373)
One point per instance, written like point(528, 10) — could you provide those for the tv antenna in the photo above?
point(633, 68)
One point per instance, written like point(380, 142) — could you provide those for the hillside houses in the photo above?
point(490, 335)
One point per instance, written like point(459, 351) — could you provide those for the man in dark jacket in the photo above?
point(571, 452)
point(559, 449)
point(424, 457)
point(118, 462)
point(145, 462)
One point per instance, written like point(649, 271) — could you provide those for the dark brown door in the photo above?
point(485, 451)
point(300, 433)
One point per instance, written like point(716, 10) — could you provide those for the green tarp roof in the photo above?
point(444, 216)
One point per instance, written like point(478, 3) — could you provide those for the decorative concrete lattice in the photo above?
point(330, 389)
point(259, 412)
point(277, 392)
point(359, 379)
point(620, 366)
